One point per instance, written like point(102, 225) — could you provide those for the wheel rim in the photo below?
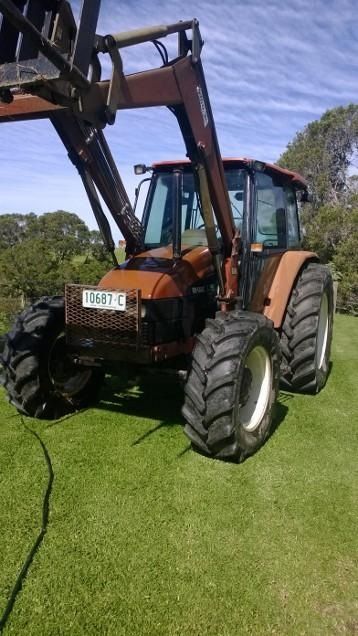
point(255, 388)
point(67, 378)
point(322, 331)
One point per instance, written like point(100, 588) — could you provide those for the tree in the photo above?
point(345, 261)
point(322, 152)
point(97, 247)
point(40, 254)
point(330, 226)
point(14, 228)
point(65, 233)
point(29, 269)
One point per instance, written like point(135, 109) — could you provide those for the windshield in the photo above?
point(158, 216)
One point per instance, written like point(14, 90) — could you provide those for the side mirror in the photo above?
point(306, 197)
point(137, 191)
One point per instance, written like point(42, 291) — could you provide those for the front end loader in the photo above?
point(215, 285)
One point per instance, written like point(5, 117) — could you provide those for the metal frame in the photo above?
point(80, 108)
point(100, 330)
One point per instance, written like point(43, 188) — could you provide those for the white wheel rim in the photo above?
point(252, 411)
point(322, 332)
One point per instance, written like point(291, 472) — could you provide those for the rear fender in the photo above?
point(290, 265)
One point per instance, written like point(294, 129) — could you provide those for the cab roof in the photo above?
point(296, 179)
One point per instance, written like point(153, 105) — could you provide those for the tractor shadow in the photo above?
point(280, 411)
point(160, 398)
point(149, 397)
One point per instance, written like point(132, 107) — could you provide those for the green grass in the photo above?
point(147, 537)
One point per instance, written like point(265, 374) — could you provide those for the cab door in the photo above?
point(273, 229)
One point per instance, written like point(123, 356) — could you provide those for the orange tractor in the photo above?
point(215, 285)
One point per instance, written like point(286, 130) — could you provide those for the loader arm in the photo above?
point(55, 84)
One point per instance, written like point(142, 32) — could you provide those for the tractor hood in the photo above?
point(158, 276)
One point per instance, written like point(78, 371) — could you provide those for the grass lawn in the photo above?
point(147, 537)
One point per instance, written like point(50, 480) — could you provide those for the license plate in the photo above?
point(104, 300)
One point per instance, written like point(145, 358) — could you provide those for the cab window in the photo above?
point(270, 203)
point(292, 218)
point(158, 218)
point(236, 179)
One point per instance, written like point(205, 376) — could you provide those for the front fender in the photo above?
point(290, 265)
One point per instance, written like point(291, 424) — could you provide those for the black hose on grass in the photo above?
point(45, 518)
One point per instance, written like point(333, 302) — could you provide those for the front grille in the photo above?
point(99, 330)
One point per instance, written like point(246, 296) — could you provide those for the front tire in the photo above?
point(232, 386)
point(307, 331)
point(38, 375)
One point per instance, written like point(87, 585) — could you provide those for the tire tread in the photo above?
point(299, 330)
point(210, 392)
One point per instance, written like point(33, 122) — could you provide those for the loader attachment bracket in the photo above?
point(41, 46)
point(44, 52)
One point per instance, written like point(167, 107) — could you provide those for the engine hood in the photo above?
point(156, 274)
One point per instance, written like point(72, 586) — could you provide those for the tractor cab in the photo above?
point(269, 217)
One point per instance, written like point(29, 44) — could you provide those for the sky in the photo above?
point(271, 68)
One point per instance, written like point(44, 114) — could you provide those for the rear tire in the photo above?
point(38, 375)
point(232, 385)
point(307, 331)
